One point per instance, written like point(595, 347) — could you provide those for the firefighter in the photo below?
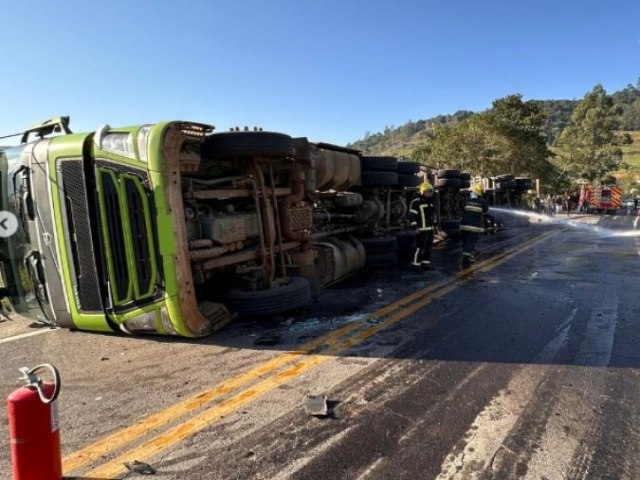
point(472, 224)
point(421, 215)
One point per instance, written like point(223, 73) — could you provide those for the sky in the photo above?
point(329, 70)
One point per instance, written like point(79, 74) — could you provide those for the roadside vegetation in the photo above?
point(631, 152)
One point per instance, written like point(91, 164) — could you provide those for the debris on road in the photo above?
point(317, 405)
point(140, 467)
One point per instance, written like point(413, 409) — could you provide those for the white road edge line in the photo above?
point(25, 335)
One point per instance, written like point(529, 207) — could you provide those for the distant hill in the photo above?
point(401, 141)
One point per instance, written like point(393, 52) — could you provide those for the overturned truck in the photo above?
point(172, 229)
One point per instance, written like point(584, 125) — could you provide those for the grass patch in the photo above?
point(631, 153)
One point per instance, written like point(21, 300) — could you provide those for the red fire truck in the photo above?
point(601, 198)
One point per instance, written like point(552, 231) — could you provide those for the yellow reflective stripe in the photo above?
point(424, 229)
point(424, 220)
point(414, 211)
point(473, 208)
point(471, 228)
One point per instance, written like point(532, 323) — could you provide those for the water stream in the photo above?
point(565, 222)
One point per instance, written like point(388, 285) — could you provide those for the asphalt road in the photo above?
point(524, 366)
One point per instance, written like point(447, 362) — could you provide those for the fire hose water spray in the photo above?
point(34, 428)
point(603, 232)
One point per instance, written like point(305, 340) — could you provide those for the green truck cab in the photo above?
point(172, 229)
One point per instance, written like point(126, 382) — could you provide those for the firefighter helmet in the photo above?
point(425, 187)
point(477, 189)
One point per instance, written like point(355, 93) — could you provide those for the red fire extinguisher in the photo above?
point(34, 428)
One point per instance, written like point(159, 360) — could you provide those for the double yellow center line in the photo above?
point(306, 357)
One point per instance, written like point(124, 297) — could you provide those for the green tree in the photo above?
point(589, 147)
point(469, 145)
point(508, 138)
point(522, 125)
point(631, 116)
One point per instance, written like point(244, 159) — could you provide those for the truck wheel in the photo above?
point(523, 183)
point(245, 144)
point(406, 240)
point(408, 167)
point(448, 182)
point(504, 177)
point(380, 163)
point(408, 180)
point(379, 179)
point(382, 260)
point(265, 303)
point(451, 229)
point(505, 184)
point(450, 224)
point(448, 173)
point(384, 244)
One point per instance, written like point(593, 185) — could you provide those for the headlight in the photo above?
point(143, 137)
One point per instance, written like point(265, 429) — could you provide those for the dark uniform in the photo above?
point(472, 224)
point(421, 215)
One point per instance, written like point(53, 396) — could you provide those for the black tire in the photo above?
point(448, 182)
point(408, 180)
point(506, 184)
point(504, 177)
point(382, 260)
point(408, 167)
point(465, 176)
point(448, 173)
point(406, 240)
point(524, 183)
point(388, 164)
point(384, 244)
point(379, 179)
point(465, 184)
point(447, 225)
point(245, 144)
point(265, 303)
